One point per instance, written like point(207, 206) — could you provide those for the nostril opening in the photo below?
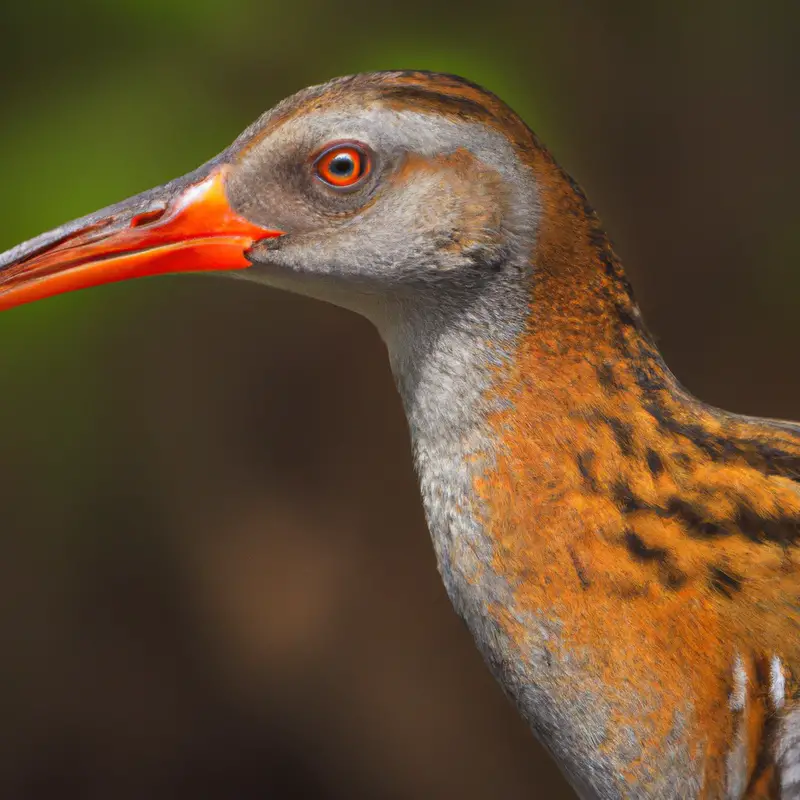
point(147, 217)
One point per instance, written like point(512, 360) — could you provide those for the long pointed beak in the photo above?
point(185, 226)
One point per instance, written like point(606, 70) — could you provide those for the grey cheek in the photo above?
point(402, 228)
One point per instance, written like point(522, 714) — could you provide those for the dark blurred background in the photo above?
point(216, 580)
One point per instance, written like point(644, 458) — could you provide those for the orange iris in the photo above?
point(343, 166)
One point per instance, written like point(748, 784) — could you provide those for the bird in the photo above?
point(624, 555)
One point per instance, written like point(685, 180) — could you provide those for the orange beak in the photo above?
point(185, 226)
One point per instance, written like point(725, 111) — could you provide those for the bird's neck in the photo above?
point(514, 355)
point(491, 403)
point(516, 392)
point(565, 476)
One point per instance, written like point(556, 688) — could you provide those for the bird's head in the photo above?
point(384, 183)
point(386, 186)
point(371, 184)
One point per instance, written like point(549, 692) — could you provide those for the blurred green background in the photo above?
point(216, 579)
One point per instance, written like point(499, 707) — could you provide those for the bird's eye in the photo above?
point(342, 166)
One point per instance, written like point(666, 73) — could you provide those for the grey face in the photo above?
point(444, 199)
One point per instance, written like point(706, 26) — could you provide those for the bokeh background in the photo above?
point(216, 580)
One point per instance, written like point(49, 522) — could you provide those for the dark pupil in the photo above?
point(342, 166)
